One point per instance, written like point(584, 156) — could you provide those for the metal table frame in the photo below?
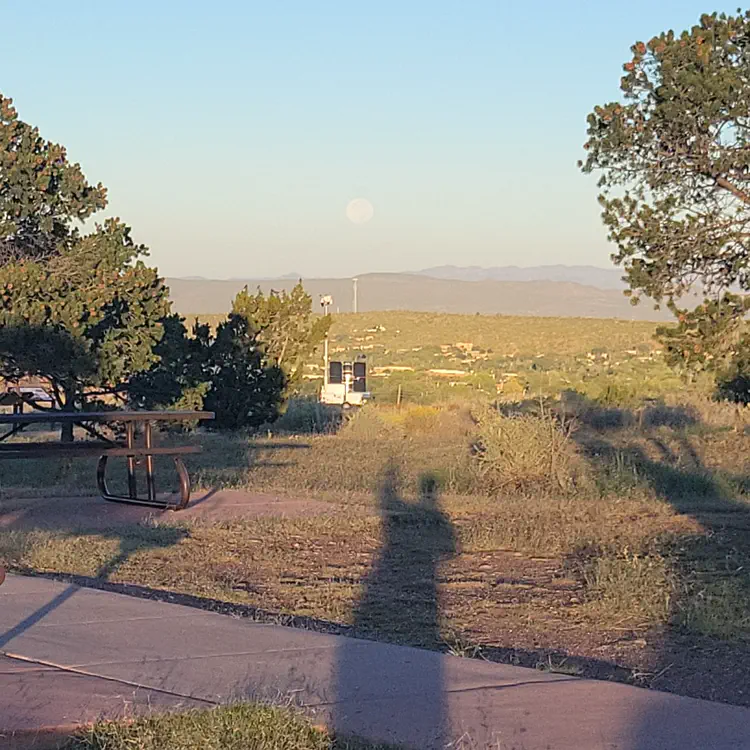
point(106, 449)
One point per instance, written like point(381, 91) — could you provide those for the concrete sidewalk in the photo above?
point(73, 655)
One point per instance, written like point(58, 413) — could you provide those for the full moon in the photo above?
point(359, 211)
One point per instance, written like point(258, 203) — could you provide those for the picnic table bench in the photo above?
point(105, 448)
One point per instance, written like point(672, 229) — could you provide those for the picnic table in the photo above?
point(105, 448)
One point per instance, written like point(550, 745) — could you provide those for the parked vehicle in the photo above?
point(345, 384)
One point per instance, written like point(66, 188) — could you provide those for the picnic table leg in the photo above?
point(148, 443)
point(132, 481)
point(182, 473)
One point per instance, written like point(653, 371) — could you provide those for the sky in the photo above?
point(232, 135)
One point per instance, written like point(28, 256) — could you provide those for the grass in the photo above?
point(630, 589)
point(557, 530)
point(505, 334)
point(304, 416)
point(541, 355)
point(524, 451)
point(404, 331)
point(237, 727)
point(720, 609)
point(349, 461)
point(318, 566)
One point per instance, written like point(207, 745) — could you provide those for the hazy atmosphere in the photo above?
point(233, 135)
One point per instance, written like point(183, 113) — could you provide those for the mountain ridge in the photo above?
point(421, 293)
point(596, 276)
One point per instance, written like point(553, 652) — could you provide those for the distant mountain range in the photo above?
point(602, 278)
point(448, 292)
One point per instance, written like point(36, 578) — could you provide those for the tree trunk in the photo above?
point(66, 429)
point(66, 432)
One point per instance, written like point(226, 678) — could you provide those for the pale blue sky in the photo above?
point(231, 135)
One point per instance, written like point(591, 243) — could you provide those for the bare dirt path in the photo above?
point(90, 512)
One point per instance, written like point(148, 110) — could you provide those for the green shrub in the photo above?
point(619, 475)
point(663, 415)
point(421, 420)
point(308, 416)
point(368, 423)
point(615, 393)
point(599, 414)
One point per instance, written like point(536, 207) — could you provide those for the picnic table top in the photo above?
point(52, 415)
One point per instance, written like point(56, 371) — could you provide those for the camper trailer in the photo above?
point(345, 384)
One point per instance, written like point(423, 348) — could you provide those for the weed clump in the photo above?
point(525, 452)
point(307, 416)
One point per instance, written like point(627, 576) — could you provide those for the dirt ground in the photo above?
point(392, 575)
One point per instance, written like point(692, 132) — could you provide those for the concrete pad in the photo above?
point(24, 585)
point(74, 605)
point(308, 677)
point(42, 705)
point(10, 666)
point(572, 715)
point(66, 513)
point(382, 692)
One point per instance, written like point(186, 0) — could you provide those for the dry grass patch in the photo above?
point(554, 525)
point(631, 589)
point(351, 461)
point(525, 452)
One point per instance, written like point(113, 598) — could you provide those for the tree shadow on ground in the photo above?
point(230, 460)
point(399, 603)
point(225, 461)
point(131, 540)
point(703, 648)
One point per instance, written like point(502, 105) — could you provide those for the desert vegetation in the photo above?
point(438, 358)
point(571, 494)
point(594, 537)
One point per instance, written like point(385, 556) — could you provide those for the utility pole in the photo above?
point(326, 301)
point(355, 306)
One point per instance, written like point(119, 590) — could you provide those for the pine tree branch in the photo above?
point(722, 182)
